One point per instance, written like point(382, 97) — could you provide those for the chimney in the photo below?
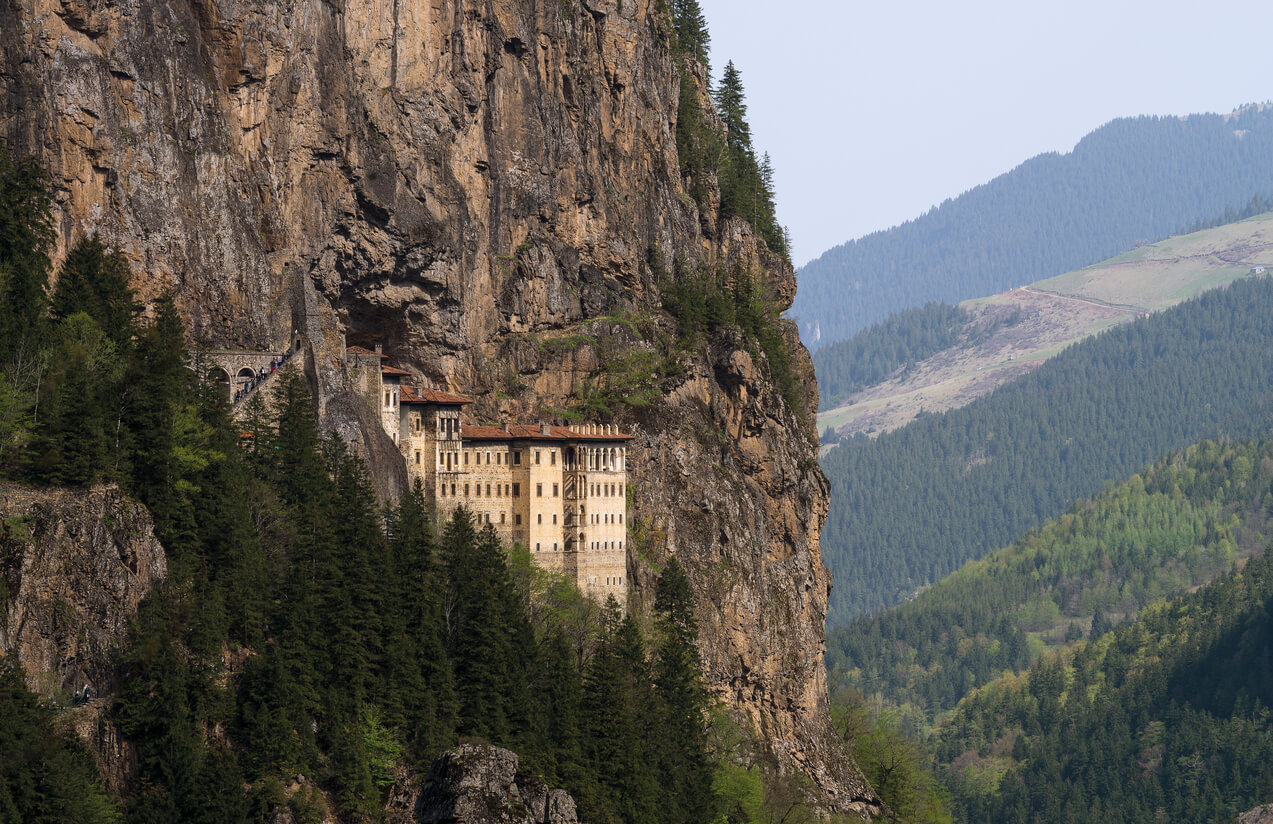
point(508, 428)
point(544, 429)
point(378, 349)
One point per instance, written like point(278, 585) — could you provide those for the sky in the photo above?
point(874, 112)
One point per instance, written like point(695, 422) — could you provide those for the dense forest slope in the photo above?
point(919, 359)
point(1131, 181)
point(503, 195)
point(916, 503)
point(1167, 530)
point(1166, 718)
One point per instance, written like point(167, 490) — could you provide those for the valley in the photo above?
point(1051, 315)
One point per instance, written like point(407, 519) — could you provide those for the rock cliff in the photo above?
point(74, 565)
point(478, 782)
point(486, 187)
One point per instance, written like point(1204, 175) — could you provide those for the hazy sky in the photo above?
point(873, 112)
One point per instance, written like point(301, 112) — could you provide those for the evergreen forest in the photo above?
point(1132, 181)
point(1112, 665)
point(308, 645)
point(893, 346)
point(1167, 718)
point(911, 506)
point(1169, 529)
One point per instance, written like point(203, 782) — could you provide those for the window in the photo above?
point(517, 519)
point(452, 490)
point(501, 517)
point(536, 547)
point(536, 457)
point(540, 518)
point(417, 457)
point(479, 490)
point(466, 458)
point(621, 547)
point(539, 490)
point(488, 517)
point(554, 517)
point(517, 490)
point(387, 397)
point(554, 546)
point(620, 517)
point(552, 457)
point(488, 490)
point(466, 490)
point(488, 458)
point(442, 491)
point(517, 459)
point(554, 490)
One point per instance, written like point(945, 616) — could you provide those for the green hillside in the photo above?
point(1169, 718)
point(913, 505)
point(1131, 181)
point(1176, 525)
point(887, 378)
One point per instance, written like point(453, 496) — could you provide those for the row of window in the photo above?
point(606, 518)
point(592, 545)
point(605, 490)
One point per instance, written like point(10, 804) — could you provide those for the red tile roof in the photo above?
point(358, 350)
point(411, 394)
point(521, 432)
point(393, 370)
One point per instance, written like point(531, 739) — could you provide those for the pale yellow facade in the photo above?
point(560, 492)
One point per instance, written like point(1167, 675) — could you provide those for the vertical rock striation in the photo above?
point(484, 186)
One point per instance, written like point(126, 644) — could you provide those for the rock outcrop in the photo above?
point(74, 564)
point(478, 783)
point(491, 189)
point(1260, 815)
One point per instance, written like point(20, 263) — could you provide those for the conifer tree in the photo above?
point(686, 773)
point(165, 454)
point(420, 697)
point(692, 37)
point(26, 233)
point(44, 776)
point(94, 280)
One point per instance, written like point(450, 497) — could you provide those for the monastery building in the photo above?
point(558, 491)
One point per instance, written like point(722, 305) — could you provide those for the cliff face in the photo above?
point(74, 565)
point(481, 186)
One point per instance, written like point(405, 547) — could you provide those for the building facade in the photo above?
point(558, 491)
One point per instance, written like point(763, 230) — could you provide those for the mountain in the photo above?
point(1131, 181)
point(1165, 718)
point(884, 376)
point(1167, 530)
point(912, 505)
point(522, 203)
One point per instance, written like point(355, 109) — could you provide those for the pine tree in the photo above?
point(94, 280)
point(165, 455)
point(26, 233)
point(685, 771)
point(692, 37)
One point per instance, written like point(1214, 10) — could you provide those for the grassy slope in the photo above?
point(1056, 313)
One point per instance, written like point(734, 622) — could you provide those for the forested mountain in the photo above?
point(911, 506)
point(1130, 181)
point(873, 354)
point(1169, 718)
point(1174, 526)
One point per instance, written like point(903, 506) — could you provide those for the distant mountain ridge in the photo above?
point(914, 504)
point(1131, 181)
